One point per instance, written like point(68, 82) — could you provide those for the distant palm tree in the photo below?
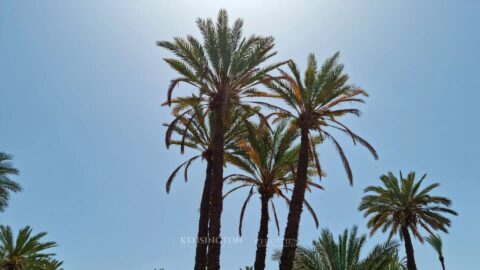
point(268, 159)
point(400, 206)
point(6, 184)
point(344, 254)
point(224, 68)
point(195, 131)
point(24, 252)
point(436, 242)
point(317, 103)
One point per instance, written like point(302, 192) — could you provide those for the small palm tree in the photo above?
point(268, 159)
point(6, 184)
point(27, 251)
point(224, 67)
point(401, 206)
point(344, 254)
point(436, 242)
point(317, 104)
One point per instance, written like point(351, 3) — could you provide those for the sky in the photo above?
point(81, 87)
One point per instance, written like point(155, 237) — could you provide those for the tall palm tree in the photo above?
point(26, 251)
point(344, 254)
point(401, 206)
point(436, 242)
point(197, 133)
point(224, 68)
point(268, 159)
point(316, 104)
point(6, 184)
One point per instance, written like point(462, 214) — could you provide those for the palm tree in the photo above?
point(267, 158)
point(6, 184)
point(224, 68)
point(344, 254)
point(196, 133)
point(402, 207)
point(27, 251)
point(315, 102)
point(436, 242)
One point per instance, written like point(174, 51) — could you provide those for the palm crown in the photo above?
point(27, 251)
point(6, 184)
point(402, 203)
point(268, 158)
point(316, 102)
point(225, 66)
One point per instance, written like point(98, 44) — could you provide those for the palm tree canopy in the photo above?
point(224, 65)
point(6, 184)
point(344, 253)
point(402, 203)
point(267, 158)
point(318, 101)
point(26, 251)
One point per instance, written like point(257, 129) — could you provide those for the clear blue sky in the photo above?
point(81, 83)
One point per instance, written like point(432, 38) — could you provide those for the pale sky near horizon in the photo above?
point(81, 83)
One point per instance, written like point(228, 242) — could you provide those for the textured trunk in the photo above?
point(442, 260)
point(409, 249)
point(202, 238)
point(216, 200)
point(296, 205)
point(262, 238)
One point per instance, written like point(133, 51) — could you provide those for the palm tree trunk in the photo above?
point(442, 260)
point(409, 249)
point(202, 238)
point(262, 237)
point(216, 199)
point(296, 205)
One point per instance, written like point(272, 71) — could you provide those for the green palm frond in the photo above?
point(436, 242)
point(7, 186)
